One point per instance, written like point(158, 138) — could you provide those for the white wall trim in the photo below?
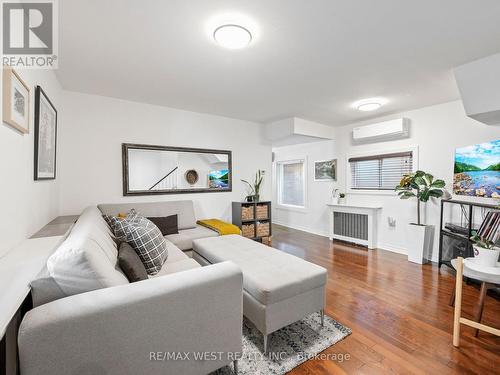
point(392, 248)
point(303, 210)
point(303, 229)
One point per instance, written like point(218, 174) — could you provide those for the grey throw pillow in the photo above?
point(131, 264)
point(167, 224)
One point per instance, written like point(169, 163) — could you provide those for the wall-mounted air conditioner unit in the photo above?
point(382, 131)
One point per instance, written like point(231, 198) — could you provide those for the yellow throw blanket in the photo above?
point(219, 226)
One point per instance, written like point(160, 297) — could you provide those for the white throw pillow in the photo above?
point(87, 259)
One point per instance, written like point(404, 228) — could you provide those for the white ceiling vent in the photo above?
point(382, 131)
point(479, 85)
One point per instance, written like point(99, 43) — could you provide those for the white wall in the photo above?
point(436, 130)
point(90, 149)
point(26, 205)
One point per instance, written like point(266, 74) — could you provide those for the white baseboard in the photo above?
point(400, 250)
point(303, 229)
point(393, 249)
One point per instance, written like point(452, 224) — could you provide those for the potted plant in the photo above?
point(485, 251)
point(254, 195)
point(420, 185)
point(341, 198)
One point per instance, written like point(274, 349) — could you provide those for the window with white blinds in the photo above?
point(380, 172)
point(291, 183)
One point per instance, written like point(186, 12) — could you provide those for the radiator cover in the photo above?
point(350, 225)
point(354, 223)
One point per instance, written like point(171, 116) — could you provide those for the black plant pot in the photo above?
point(250, 198)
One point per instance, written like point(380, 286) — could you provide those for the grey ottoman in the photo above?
point(279, 288)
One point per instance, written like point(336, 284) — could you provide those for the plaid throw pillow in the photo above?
point(118, 224)
point(148, 243)
point(144, 236)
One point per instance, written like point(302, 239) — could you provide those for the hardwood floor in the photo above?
point(398, 312)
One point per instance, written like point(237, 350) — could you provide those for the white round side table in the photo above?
point(487, 280)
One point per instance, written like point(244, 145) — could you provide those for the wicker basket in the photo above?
point(262, 212)
point(246, 212)
point(267, 241)
point(248, 230)
point(262, 229)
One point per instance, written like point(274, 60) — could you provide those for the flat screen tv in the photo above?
point(477, 170)
point(218, 179)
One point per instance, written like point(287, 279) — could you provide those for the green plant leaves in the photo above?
point(481, 242)
point(419, 173)
point(424, 195)
point(419, 181)
point(436, 193)
point(249, 185)
point(438, 184)
point(406, 194)
point(421, 185)
point(259, 177)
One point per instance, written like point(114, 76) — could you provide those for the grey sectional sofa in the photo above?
point(105, 325)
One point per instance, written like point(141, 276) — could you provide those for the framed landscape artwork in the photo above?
point(218, 179)
point(325, 170)
point(45, 136)
point(16, 101)
point(477, 170)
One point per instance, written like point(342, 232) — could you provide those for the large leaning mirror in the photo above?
point(171, 170)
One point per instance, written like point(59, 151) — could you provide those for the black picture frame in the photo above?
point(38, 97)
point(127, 192)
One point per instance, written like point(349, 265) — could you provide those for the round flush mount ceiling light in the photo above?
point(232, 36)
point(367, 105)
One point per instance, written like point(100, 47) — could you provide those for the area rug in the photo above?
point(287, 347)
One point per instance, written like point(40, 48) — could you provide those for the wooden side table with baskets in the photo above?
point(254, 220)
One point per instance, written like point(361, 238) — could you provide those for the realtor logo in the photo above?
point(29, 34)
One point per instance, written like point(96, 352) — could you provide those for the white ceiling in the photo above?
point(309, 58)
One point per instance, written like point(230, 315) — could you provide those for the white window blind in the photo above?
point(380, 172)
point(291, 182)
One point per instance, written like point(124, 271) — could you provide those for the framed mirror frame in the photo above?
point(125, 170)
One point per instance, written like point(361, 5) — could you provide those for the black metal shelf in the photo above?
point(453, 234)
point(459, 244)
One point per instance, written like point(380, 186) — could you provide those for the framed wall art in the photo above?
point(16, 101)
point(325, 170)
point(45, 136)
